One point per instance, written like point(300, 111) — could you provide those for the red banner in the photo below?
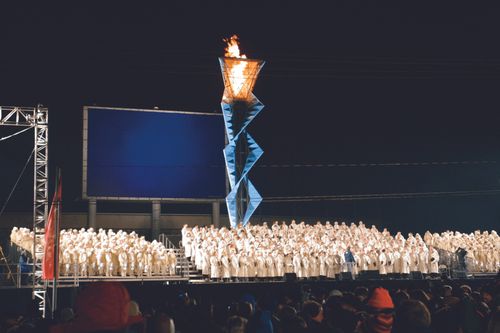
point(50, 233)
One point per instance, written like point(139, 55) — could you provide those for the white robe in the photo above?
point(397, 262)
point(214, 267)
point(313, 266)
point(243, 267)
point(374, 265)
point(322, 266)
point(297, 265)
point(330, 267)
point(434, 262)
point(226, 267)
point(288, 264)
point(306, 266)
point(423, 262)
point(261, 267)
point(382, 262)
point(235, 265)
point(271, 269)
point(366, 262)
point(414, 261)
point(390, 262)
point(405, 263)
point(205, 264)
point(280, 265)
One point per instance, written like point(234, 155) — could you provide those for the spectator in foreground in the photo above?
point(313, 315)
point(412, 316)
point(379, 318)
point(161, 323)
point(101, 307)
point(236, 324)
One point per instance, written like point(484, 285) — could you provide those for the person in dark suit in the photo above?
point(349, 261)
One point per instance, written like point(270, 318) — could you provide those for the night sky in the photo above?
point(351, 82)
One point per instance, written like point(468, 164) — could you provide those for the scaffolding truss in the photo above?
point(38, 118)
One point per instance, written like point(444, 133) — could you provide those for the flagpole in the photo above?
point(56, 245)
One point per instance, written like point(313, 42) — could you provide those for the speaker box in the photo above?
point(345, 276)
point(290, 277)
point(416, 276)
point(368, 275)
point(456, 274)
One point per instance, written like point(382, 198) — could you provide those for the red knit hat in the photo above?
point(101, 306)
point(380, 299)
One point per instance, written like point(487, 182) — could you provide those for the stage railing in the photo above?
point(453, 263)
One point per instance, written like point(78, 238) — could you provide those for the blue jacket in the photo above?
point(348, 256)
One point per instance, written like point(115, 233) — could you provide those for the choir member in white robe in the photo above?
point(198, 257)
point(186, 242)
point(414, 260)
point(389, 254)
point(235, 265)
point(397, 262)
point(132, 262)
point(382, 262)
point(270, 268)
point(172, 262)
point(313, 266)
point(205, 264)
point(322, 265)
point(252, 266)
point(374, 266)
point(338, 262)
point(297, 265)
point(245, 272)
point(305, 265)
point(433, 261)
point(405, 263)
point(214, 267)
point(423, 261)
point(226, 267)
point(82, 258)
point(357, 263)
point(261, 266)
point(123, 260)
point(280, 265)
point(330, 269)
point(288, 263)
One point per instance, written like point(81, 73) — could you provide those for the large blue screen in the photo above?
point(154, 154)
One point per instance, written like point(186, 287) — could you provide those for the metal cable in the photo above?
point(408, 195)
point(17, 133)
point(17, 182)
point(330, 165)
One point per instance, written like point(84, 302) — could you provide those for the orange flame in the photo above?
point(237, 71)
point(233, 48)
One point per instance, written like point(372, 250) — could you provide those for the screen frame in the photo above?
point(85, 195)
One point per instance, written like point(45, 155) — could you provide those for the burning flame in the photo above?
point(237, 71)
point(233, 48)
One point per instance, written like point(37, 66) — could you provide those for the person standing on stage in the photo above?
point(349, 260)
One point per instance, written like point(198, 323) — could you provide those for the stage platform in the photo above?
point(155, 291)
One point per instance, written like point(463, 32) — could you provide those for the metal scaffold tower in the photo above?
point(38, 119)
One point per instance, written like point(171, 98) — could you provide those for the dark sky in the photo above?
point(345, 82)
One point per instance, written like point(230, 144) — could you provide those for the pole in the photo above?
point(155, 220)
point(216, 214)
point(56, 248)
point(92, 214)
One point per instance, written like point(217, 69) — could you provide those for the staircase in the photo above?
point(185, 268)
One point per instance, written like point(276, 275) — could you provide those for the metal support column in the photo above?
point(41, 202)
point(216, 214)
point(37, 118)
point(155, 220)
point(92, 213)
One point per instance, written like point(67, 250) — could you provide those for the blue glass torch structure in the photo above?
point(239, 108)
